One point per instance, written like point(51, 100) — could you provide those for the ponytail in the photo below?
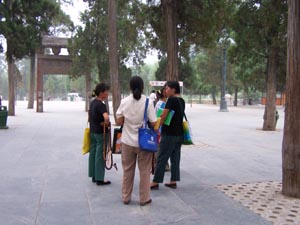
point(136, 87)
point(137, 94)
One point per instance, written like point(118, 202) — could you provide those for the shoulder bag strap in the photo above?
point(181, 109)
point(104, 142)
point(145, 113)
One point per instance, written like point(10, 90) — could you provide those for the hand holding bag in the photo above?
point(147, 136)
point(86, 141)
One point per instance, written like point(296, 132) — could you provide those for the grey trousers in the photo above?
point(170, 147)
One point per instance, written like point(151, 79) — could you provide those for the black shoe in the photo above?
point(154, 187)
point(146, 203)
point(103, 182)
point(171, 185)
point(126, 202)
point(93, 179)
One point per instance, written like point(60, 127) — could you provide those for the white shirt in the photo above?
point(133, 112)
point(160, 104)
point(152, 97)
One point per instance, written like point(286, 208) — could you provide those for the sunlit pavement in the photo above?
point(44, 175)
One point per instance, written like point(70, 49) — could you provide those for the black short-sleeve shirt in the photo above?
point(97, 109)
point(175, 128)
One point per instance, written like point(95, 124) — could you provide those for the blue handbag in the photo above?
point(147, 136)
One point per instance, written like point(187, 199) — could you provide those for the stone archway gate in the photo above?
point(53, 64)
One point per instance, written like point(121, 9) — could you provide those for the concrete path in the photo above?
point(44, 176)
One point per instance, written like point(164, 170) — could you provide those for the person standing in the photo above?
point(152, 97)
point(161, 96)
point(130, 114)
point(171, 137)
point(161, 99)
point(98, 118)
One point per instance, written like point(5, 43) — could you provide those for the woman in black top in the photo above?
point(171, 137)
point(98, 118)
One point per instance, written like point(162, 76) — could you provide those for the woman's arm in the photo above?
point(106, 119)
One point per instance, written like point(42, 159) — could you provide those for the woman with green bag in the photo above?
point(171, 138)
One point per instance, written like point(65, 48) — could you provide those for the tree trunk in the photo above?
point(270, 108)
point(32, 83)
point(11, 87)
point(113, 55)
point(170, 17)
point(213, 95)
point(235, 101)
point(291, 134)
point(245, 95)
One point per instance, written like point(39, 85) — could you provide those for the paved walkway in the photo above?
point(44, 176)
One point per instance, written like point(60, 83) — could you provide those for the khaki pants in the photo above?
point(129, 157)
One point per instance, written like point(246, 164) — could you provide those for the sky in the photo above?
point(74, 11)
point(79, 6)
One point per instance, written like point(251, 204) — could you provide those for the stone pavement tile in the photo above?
point(165, 208)
point(20, 190)
point(19, 199)
point(124, 218)
point(43, 150)
point(18, 212)
point(169, 208)
point(215, 208)
point(62, 190)
point(137, 215)
point(265, 199)
point(64, 213)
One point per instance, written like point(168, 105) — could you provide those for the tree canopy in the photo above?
point(90, 43)
point(23, 24)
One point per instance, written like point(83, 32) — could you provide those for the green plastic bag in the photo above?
point(169, 116)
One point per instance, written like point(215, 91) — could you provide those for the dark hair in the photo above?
point(100, 88)
point(160, 93)
point(136, 86)
point(175, 85)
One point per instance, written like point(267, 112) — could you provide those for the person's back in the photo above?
point(130, 114)
point(133, 113)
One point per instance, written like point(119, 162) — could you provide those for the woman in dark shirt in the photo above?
point(171, 137)
point(98, 118)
